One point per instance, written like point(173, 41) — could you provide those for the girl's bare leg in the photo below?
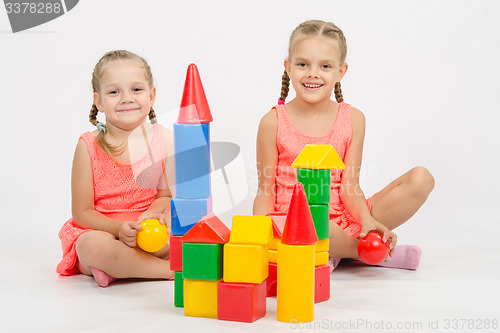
point(342, 245)
point(402, 198)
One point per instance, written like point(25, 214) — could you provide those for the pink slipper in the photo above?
point(102, 279)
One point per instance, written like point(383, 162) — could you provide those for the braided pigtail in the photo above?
point(152, 116)
point(93, 115)
point(285, 87)
point(108, 149)
point(338, 93)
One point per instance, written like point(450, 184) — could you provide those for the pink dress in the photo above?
point(291, 141)
point(121, 192)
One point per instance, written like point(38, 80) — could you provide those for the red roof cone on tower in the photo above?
point(299, 226)
point(194, 105)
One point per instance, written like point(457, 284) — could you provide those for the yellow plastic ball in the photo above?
point(153, 236)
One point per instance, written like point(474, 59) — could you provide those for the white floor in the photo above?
point(451, 291)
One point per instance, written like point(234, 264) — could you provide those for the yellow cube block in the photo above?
point(295, 283)
point(273, 244)
point(200, 298)
point(272, 256)
point(248, 229)
point(320, 258)
point(245, 263)
point(322, 245)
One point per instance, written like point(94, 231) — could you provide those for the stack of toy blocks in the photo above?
point(192, 198)
point(242, 293)
point(296, 253)
point(202, 249)
point(314, 165)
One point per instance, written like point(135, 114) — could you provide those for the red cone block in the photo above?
point(299, 226)
point(194, 105)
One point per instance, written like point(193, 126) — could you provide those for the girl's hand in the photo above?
point(160, 217)
point(387, 235)
point(128, 233)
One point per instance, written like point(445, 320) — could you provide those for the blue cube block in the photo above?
point(192, 160)
point(187, 212)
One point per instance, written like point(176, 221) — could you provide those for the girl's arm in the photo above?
point(267, 158)
point(350, 192)
point(82, 193)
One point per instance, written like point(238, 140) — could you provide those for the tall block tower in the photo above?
point(193, 199)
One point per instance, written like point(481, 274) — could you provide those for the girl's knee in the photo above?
point(93, 245)
point(421, 181)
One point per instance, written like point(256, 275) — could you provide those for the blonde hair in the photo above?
point(309, 29)
point(96, 76)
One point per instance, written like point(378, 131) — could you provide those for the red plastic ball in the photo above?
point(372, 250)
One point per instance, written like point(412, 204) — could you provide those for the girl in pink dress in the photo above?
point(315, 66)
point(119, 178)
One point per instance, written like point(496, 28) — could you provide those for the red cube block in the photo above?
point(176, 253)
point(272, 280)
point(244, 302)
point(321, 283)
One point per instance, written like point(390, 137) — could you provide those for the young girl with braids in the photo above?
point(119, 178)
point(315, 66)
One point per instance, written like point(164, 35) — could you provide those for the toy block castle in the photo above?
point(192, 198)
point(227, 274)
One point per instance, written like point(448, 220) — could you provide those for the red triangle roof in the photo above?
point(299, 226)
point(194, 104)
point(208, 230)
point(279, 220)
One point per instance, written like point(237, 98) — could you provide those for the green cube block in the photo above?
point(316, 184)
point(178, 290)
point(202, 261)
point(321, 218)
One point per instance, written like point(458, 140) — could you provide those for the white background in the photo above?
point(425, 73)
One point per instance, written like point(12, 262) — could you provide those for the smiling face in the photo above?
point(125, 95)
point(314, 66)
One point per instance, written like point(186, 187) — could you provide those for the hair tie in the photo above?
point(281, 101)
point(101, 126)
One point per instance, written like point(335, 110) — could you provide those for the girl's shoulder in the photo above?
point(270, 120)
point(87, 143)
point(89, 136)
point(356, 114)
point(358, 120)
